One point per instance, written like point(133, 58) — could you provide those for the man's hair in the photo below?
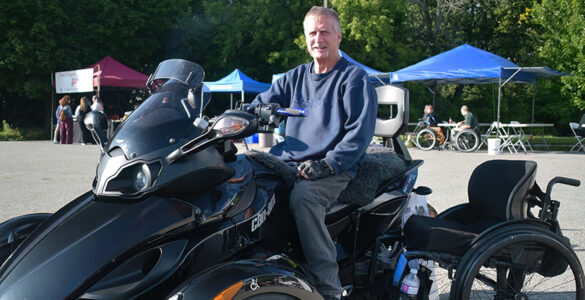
point(465, 108)
point(324, 11)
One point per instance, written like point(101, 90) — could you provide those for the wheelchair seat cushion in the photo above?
point(442, 235)
point(497, 192)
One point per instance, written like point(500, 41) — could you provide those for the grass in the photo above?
point(9, 133)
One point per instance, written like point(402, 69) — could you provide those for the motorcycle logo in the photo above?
point(263, 214)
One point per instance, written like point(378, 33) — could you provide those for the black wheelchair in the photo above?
point(506, 243)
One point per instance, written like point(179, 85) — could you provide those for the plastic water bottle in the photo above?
point(450, 120)
point(410, 284)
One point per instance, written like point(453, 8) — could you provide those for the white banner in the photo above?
point(75, 81)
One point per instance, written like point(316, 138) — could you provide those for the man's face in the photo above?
point(463, 111)
point(322, 40)
point(429, 110)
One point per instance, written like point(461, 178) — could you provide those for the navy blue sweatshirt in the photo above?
point(341, 110)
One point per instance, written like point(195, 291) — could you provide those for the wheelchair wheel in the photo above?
point(467, 141)
point(426, 139)
point(525, 264)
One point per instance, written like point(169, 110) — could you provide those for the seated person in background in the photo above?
point(469, 122)
point(432, 121)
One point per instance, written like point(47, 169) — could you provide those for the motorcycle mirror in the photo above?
point(96, 123)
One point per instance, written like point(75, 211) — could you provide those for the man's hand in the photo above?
point(313, 170)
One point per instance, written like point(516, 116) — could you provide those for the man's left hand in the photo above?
point(313, 170)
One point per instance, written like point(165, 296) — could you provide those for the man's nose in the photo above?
point(318, 37)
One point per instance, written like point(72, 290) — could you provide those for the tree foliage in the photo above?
point(561, 38)
point(263, 37)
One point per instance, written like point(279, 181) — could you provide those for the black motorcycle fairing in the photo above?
point(16, 230)
point(161, 120)
point(257, 277)
point(197, 173)
point(98, 236)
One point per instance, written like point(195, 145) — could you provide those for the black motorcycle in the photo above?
point(175, 213)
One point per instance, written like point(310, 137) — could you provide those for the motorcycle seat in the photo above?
point(381, 170)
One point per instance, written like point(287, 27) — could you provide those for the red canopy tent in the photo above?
point(110, 72)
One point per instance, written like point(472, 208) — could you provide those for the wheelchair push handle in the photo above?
point(565, 180)
point(549, 207)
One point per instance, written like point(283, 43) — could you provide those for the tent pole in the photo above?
point(500, 85)
point(243, 97)
point(99, 80)
point(231, 101)
point(533, 100)
point(434, 93)
point(52, 106)
point(499, 100)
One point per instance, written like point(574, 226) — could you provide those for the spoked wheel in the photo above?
point(467, 141)
point(520, 266)
point(426, 139)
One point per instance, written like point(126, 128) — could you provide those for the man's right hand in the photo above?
point(313, 170)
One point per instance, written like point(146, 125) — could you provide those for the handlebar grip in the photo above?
point(568, 181)
point(291, 112)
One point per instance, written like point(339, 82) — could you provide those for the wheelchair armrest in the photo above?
point(460, 213)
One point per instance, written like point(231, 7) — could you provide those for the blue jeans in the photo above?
point(309, 202)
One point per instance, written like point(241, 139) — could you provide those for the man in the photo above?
point(326, 145)
point(469, 122)
point(432, 121)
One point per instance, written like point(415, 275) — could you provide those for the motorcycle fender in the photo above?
point(15, 230)
point(86, 240)
point(249, 278)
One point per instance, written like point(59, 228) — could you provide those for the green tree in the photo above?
point(257, 36)
point(561, 44)
point(374, 32)
point(39, 37)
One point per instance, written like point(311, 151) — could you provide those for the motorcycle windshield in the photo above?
point(160, 121)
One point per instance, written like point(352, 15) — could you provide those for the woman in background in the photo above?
point(80, 112)
point(66, 121)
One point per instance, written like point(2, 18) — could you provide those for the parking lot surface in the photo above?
point(39, 176)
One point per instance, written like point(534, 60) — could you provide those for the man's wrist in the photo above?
point(329, 165)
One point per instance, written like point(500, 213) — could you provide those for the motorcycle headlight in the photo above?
point(142, 178)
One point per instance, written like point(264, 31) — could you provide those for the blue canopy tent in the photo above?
point(376, 77)
point(236, 81)
point(469, 65)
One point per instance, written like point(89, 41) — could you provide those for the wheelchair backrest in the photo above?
point(498, 189)
point(397, 97)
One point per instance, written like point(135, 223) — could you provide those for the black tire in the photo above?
point(466, 140)
point(512, 267)
point(426, 139)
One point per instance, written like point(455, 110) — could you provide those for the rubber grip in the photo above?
point(569, 181)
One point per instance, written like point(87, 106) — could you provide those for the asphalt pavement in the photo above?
point(39, 176)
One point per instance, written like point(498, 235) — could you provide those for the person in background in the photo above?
point(328, 144)
point(66, 121)
point(97, 104)
point(432, 121)
point(57, 128)
point(469, 121)
point(80, 112)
